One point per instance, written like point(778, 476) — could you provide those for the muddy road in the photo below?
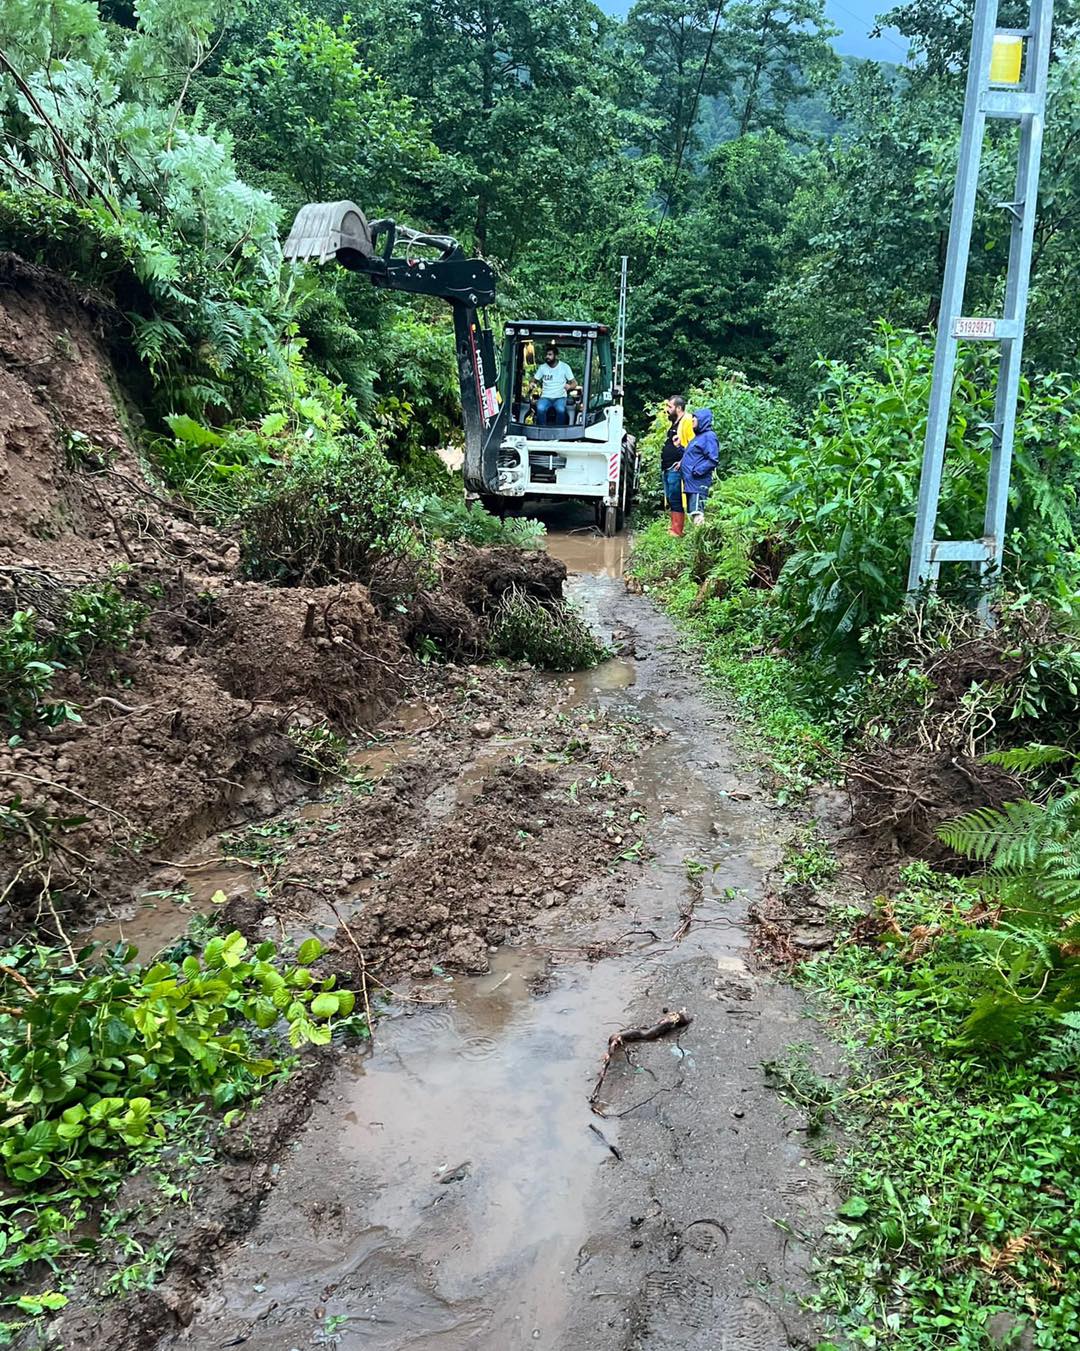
point(452, 1187)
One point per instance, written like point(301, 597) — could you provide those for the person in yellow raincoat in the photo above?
point(680, 434)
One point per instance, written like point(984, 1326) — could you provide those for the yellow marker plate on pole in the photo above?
point(1007, 59)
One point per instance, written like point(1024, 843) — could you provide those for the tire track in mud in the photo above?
point(447, 1190)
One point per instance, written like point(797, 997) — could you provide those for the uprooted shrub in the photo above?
point(328, 514)
point(453, 519)
point(551, 634)
point(940, 679)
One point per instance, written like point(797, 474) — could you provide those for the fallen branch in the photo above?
point(361, 961)
point(13, 974)
point(670, 1022)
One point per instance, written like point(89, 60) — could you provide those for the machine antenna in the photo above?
point(620, 333)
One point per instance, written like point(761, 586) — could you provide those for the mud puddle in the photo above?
point(468, 1135)
point(585, 550)
point(455, 1191)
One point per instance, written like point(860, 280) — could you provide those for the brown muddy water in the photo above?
point(455, 1191)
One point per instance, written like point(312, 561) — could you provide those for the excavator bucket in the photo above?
point(325, 230)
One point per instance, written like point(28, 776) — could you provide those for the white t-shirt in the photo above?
point(552, 379)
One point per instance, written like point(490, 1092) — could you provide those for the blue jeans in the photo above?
point(695, 502)
point(673, 489)
point(542, 407)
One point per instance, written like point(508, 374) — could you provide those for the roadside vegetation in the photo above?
point(958, 996)
point(111, 1065)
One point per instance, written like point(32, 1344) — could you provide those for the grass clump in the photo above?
point(735, 637)
point(963, 1171)
point(550, 635)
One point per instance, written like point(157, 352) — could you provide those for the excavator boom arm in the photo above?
point(339, 231)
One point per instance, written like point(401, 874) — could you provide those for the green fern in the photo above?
point(1027, 965)
point(1007, 838)
point(1027, 759)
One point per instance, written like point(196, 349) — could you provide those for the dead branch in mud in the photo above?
point(185, 513)
point(686, 916)
point(670, 1022)
point(361, 965)
point(605, 1141)
point(118, 529)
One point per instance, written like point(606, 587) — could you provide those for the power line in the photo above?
point(860, 20)
point(685, 136)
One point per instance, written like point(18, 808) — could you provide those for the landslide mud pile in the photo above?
point(188, 729)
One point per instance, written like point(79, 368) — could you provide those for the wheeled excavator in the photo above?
point(510, 453)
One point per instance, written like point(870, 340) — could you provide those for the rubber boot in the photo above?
point(678, 523)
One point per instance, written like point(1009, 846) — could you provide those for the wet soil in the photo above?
point(452, 1187)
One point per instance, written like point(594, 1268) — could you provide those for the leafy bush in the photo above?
point(27, 668)
point(104, 1061)
point(450, 518)
point(96, 619)
point(329, 513)
point(550, 635)
point(854, 484)
point(91, 620)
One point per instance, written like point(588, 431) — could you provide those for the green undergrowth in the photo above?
point(451, 518)
point(550, 635)
point(739, 655)
point(35, 647)
point(962, 1154)
point(109, 1066)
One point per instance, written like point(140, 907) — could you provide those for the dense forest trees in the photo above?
point(774, 201)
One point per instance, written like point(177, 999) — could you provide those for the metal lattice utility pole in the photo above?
point(1007, 79)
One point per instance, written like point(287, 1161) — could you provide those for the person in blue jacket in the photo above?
point(699, 462)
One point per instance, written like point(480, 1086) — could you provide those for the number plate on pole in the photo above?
point(975, 328)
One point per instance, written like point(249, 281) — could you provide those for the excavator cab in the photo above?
point(585, 348)
point(582, 452)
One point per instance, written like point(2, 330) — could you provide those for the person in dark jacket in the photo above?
point(699, 462)
point(680, 433)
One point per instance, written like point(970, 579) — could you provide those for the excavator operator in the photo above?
point(554, 378)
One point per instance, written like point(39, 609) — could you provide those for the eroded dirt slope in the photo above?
point(193, 726)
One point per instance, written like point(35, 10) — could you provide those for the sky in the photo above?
point(854, 17)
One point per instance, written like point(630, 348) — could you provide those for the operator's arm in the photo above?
point(571, 382)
